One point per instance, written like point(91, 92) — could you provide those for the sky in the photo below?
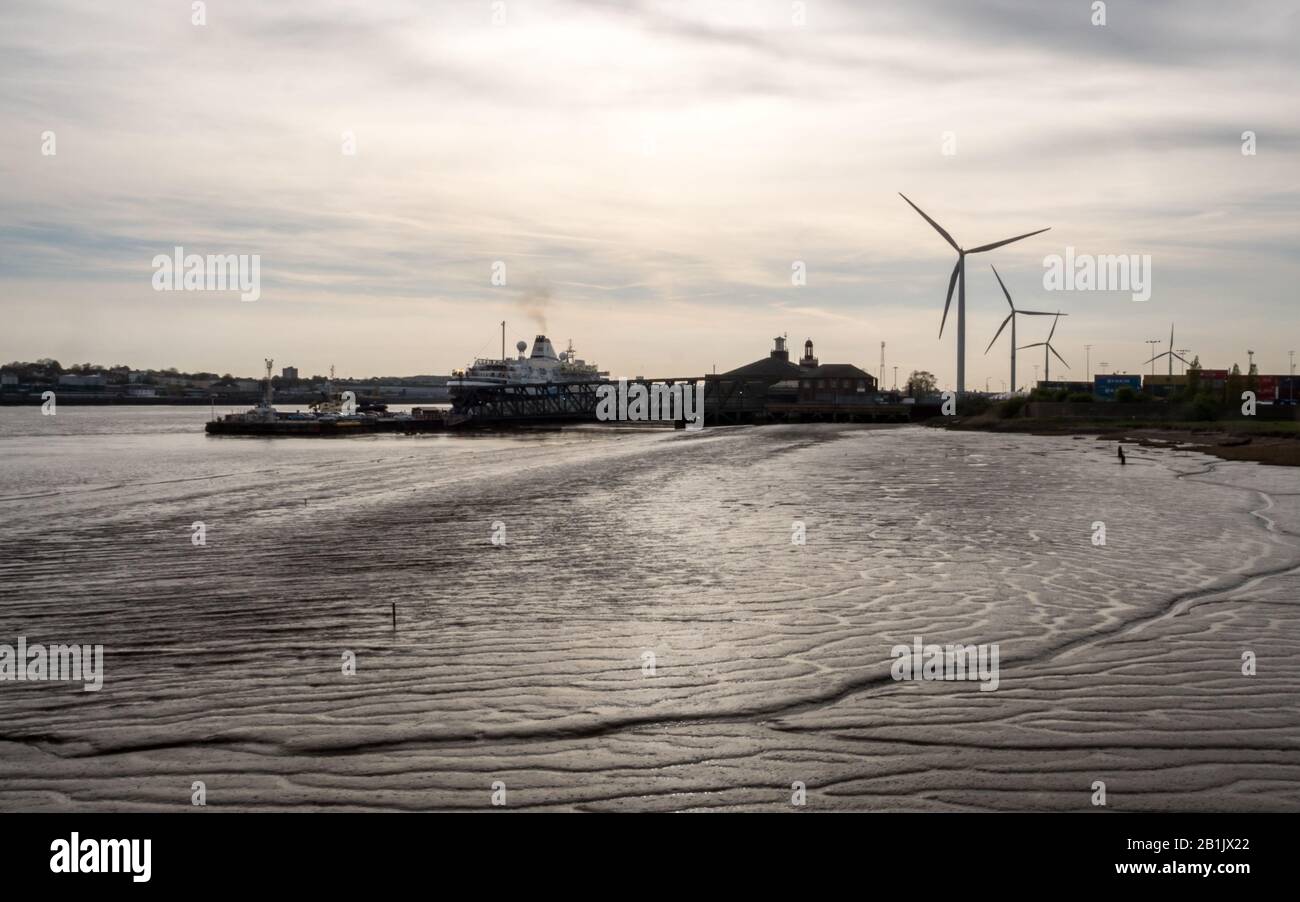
point(650, 174)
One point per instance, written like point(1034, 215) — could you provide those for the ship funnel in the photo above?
point(542, 348)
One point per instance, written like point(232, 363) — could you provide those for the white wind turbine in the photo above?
point(1048, 350)
point(1011, 318)
point(958, 278)
point(1171, 353)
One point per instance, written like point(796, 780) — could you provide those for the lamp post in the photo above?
point(1183, 352)
point(1087, 367)
point(1153, 342)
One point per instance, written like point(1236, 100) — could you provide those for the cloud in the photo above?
point(655, 166)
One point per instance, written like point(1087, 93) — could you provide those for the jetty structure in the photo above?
point(558, 389)
point(772, 389)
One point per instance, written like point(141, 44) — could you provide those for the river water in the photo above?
point(623, 619)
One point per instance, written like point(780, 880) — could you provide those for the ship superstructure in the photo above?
point(540, 367)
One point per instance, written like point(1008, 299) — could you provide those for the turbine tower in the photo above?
point(958, 278)
point(1048, 350)
point(1011, 318)
point(1171, 353)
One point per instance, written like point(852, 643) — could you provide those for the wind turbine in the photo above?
point(1048, 349)
point(1171, 353)
point(959, 276)
point(1011, 318)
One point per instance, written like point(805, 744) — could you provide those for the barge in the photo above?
point(331, 417)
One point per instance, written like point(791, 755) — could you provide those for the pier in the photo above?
point(563, 402)
point(728, 401)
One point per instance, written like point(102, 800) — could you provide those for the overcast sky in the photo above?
point(648, 172)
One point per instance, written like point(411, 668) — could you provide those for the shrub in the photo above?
point(1125, 395)
point(1204, 407)
point(1011, 407)
point(1081, 397)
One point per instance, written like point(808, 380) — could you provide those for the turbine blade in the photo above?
point(1040, 313)
point(1054, 322)
point(1182, 358)
point(989, 247)
point(952, 281)
point(1037, 344)
point(1058, 356)
point(999, 332)
point(1004, 288)
point(1155, 358)
point(938, 228)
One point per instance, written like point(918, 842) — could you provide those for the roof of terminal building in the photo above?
point(839, 370)
point(768, 368)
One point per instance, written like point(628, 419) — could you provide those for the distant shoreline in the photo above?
point(1267, 442)
point(70, 400)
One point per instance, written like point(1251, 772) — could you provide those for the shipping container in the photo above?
point(1106, 386)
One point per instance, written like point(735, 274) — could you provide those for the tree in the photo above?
point(921, 383)
point(1193, 386)
point(1234, 384)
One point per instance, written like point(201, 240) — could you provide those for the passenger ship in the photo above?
point(540, 367)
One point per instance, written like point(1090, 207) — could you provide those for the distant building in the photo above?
point(750, 390)
point(92, 380)
point(7, 379)
point(835, 383)
point(289, 373)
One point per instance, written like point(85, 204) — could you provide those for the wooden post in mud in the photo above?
point(394, 615)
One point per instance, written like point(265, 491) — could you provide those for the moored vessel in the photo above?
point(541, 367)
